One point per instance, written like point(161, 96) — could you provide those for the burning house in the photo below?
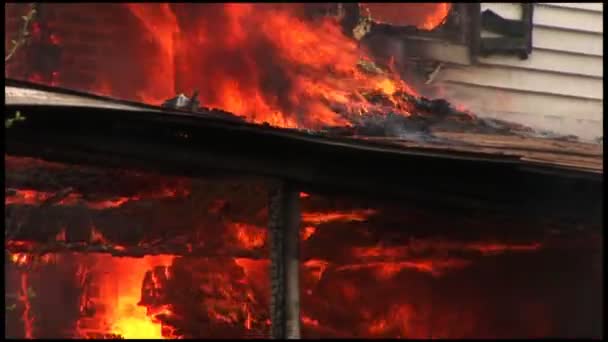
point(297, 170)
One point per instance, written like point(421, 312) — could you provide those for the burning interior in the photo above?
point(134, 255)
point(121, 251)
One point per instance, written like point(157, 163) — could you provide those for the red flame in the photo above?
point(24, 297)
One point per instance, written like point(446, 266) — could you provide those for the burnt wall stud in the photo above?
point(284, 224)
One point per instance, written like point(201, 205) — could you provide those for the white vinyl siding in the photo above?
point(559, 87)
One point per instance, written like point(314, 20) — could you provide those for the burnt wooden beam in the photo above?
point(130, 251)
point(284, 228)
point(91, 182)
point(193, 145)
point(168, 222)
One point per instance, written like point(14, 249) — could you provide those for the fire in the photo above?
point(34, 197)
point(20, 258)
point(30, 197)
point(498, 248)
point(309, 321)
point(308, 232)
point(24, 297)
point(268, 63)
point(96, 236)
point(120, 289)
point(161, 23)
point(250, 236)
point(365, 277)
point(316, 268)
point(345, 216)
point(419, 246)
point(386, 270)
point(425, 16)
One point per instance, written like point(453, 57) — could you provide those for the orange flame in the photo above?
point(120, 291)
point(264, 62)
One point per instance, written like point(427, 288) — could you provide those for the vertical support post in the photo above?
point(284, 232)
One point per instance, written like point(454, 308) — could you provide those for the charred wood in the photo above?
point(96, 183)
point(284, 223)
point(16, 246)
point(203, 303)
point(180, 222)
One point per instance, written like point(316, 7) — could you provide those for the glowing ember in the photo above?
point(96, 236)
point(418, 246)
point(20, 258)
point(345, 216)
point(61, 235)
point(387, 270)
point(250, 236)
point(309, 321)
point(498, 248)
point(24, 298)
point(30, 197)
point(308, 232)
point(33, 197)
point(316, 267)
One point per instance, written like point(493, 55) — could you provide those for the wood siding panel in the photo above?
point(559, 87)
point(562, 115)
point(540, 59)
point(525, 80)
point(505, 100)
point(568, 41)
point(586, 6)
point(552, 61)
point(552, 16)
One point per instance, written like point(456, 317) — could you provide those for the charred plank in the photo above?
point(284, 223)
